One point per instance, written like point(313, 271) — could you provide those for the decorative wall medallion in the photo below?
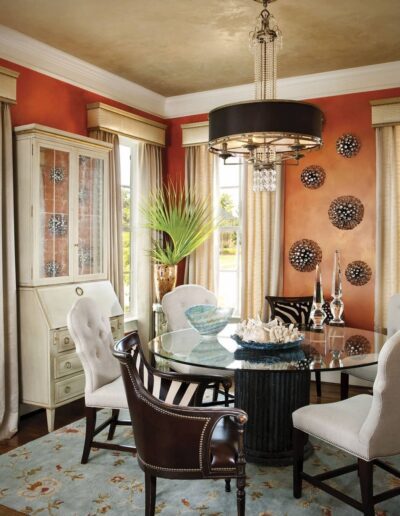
point(357, 345)
point(52, 269)
point(346, 212)
point(85, 256)
point(57, 174)
point(58, 224)
point(304, 255)
point(313, 177)
point(358, 273)
point(348, 145)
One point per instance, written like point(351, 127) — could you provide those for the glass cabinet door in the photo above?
point(90, 216)
point(54, 231)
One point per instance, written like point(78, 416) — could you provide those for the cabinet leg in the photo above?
point(50, 415)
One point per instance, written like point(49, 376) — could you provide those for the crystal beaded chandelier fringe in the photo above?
point(266, 131)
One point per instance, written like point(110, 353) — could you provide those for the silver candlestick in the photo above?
point(318, 314)
point(337, 305)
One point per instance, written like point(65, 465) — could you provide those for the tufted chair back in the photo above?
point(91, 332)
point(393, 315)
point(180, 299)
point(380, 430)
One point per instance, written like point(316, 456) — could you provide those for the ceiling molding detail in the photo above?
point(28, 52)
point(326, 84)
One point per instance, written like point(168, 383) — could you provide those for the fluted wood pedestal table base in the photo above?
point(269, 398)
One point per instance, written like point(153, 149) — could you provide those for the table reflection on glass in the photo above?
point(270, 385)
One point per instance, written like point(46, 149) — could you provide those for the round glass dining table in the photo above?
point(271, 384)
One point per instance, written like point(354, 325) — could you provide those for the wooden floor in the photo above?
point(34, 425)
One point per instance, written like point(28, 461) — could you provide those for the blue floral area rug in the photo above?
point(45, 477)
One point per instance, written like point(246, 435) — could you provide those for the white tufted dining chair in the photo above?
point(368, 373)
point(174, 305)
point(104, 388)
point(365, 426)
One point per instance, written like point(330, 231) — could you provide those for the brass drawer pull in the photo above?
point(68, 365)
point(67, 389)
point(79, 291)
point(66, 340)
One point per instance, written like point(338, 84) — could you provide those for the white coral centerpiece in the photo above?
point(254, 330)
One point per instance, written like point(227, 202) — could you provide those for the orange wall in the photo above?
point(306, 211)
point(48, 101)
point(44, 100)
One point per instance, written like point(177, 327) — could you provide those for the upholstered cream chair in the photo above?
point(104, 388)
point(174, 305)
point(369, 373)
point(365, 426)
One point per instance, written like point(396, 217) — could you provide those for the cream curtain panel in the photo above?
point(200, 177)
point(262, 245)
point(8, 288)
point(149, 180)
point(115, 267)
point(387, 281)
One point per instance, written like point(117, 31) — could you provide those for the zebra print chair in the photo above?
point(173, 439)
point(296, 310)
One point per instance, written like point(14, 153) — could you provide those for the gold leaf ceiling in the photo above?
point(183, 46)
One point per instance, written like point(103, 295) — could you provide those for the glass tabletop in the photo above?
point(334, 348)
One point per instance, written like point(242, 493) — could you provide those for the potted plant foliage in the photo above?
point(184, 223)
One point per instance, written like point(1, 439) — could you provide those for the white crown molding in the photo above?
point(326, 84)
point(23, 50)
point(33, 54)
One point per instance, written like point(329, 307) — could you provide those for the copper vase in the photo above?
point(164, 279)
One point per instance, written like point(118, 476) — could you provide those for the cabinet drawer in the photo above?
point(117, 327)
point(63, 340)
point(65, 364)
point(69, 388)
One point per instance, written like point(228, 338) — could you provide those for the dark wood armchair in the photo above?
point(174, 439)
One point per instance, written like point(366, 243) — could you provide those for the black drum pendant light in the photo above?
point(266, 131)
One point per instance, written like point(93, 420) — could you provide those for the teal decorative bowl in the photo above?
point(208, 319)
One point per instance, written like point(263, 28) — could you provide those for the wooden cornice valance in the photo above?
point(8, 85)
point(194, 134)
point(114, 120)
point(385, 112)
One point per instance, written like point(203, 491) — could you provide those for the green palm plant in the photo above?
point(186, 220)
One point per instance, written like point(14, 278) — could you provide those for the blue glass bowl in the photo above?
point(208, 319)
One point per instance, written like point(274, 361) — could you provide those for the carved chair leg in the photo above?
point(90, 427)
point(299, 439)
point(228, 485)
point(150, 483)
point(318, 383)
point(344, 386)
point(365, 473)
point(226, 395)
point(113, 424)
point(241, 496)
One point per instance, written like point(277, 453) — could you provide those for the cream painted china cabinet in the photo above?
point(63, 235)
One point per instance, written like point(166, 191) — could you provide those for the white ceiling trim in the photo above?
point(21, 49)
point(29, 52)
point(327, 84)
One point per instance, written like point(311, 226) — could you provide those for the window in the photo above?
point(229, 235)
point(127, 152)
